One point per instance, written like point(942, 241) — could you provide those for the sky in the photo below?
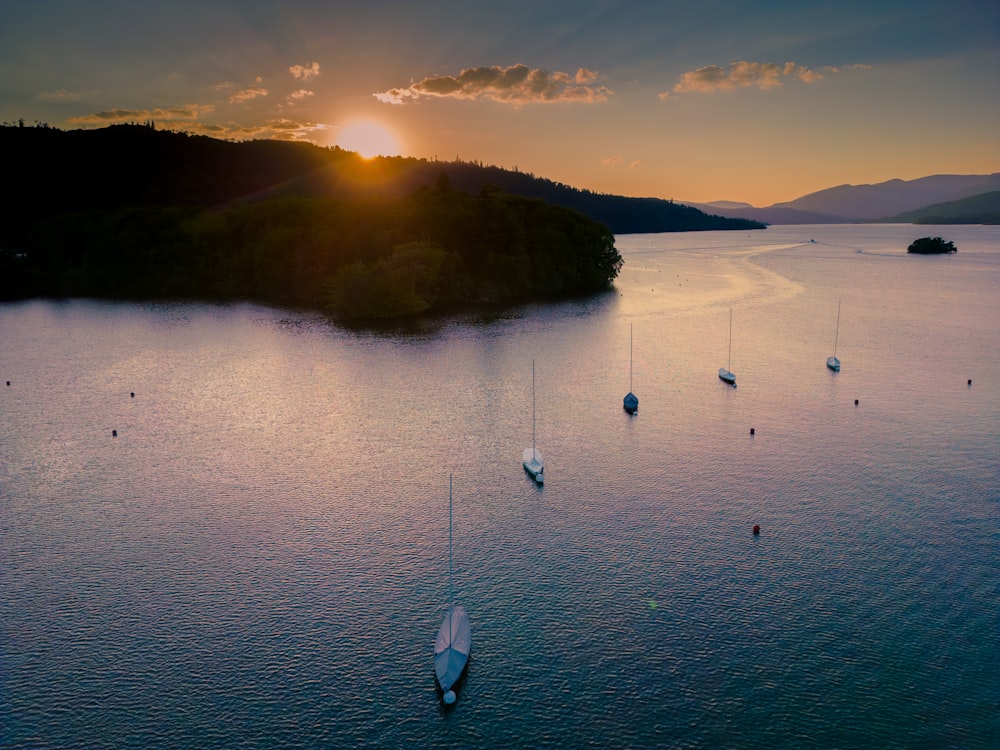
point(693, 101)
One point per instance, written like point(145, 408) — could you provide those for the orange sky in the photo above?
point(710, 101)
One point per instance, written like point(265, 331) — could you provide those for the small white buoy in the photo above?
point(450, 697)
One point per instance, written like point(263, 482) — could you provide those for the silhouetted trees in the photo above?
point(931, 246)
point(130, 211)
point(357, 258)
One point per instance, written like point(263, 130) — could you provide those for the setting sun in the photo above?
point(367, 138)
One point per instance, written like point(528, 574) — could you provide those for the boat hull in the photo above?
point(833, 363)
point(726, 376)
point(452, 648)
point(631, 403)
point(534, 465)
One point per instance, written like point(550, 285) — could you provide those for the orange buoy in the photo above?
point(756, 530)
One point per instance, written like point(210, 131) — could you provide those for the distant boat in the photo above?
point(454, 638)
point(631, 401)
point(532, 457)
point(724, 373)
point(832, 362)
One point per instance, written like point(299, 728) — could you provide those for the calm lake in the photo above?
point(259, 557)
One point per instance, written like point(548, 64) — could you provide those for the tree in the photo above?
point(931, 246)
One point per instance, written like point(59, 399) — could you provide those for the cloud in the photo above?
point(299, 95)
point(62, 95)
point(187, 119)
point(186, 114)
point(245, 95)
point(744, 74)
point(614, 161)
point(280, 129)
point(305, 72)
point(839, 69)
point(514, 85)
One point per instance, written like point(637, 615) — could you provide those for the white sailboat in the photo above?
point(832, 362)
point(631, 401)
point(454, 638)
point(724, 373)
point(532, 457)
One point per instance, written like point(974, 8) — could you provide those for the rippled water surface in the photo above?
point(259, 557)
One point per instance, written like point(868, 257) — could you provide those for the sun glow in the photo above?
point(368, 138)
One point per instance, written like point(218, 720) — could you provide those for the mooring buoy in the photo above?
point(114, 433)
point(756, 530)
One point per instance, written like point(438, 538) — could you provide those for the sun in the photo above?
point(368, 138)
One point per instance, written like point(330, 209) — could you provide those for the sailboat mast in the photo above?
point(451, 594)
point(730, 366)
point(533, 408)
point(630, 357)
point(836, 336)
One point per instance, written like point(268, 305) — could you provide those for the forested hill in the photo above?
point(129, 212)
point(161, 216)
point(51, 171)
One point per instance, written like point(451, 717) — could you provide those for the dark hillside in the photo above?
point(978, 209)
point(53, 171)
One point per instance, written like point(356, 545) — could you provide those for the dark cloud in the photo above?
point(516, 85)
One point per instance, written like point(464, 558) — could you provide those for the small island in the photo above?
point(931, 246)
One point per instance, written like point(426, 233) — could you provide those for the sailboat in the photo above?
point(724, 373)
point(532, 457)
point(832, 362)
point(454, 638)
point(631, 401)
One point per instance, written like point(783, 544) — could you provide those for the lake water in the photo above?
point(259, 559)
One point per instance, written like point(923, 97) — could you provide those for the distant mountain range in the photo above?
point(972, 199)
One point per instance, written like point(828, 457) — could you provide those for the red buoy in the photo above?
point(756, 530)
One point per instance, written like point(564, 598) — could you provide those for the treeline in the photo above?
point(358, 257)
point(977, 209)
